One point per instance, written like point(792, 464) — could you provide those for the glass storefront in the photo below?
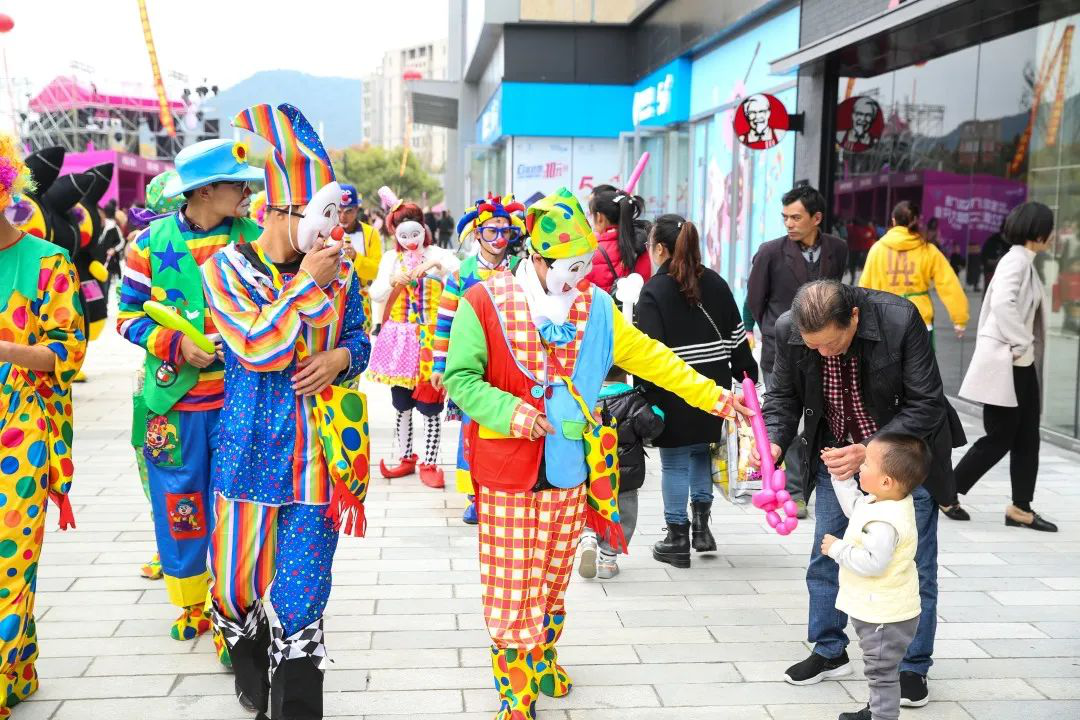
point(968, 136)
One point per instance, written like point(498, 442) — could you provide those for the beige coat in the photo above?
point(1003, 335)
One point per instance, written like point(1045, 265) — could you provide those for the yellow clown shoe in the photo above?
point(192, 623)
point(515, 681)
point(152, 570)
point(20, 683)
point(553, 680)
point(221, 648)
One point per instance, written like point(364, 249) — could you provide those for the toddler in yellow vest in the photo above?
point(879, 584)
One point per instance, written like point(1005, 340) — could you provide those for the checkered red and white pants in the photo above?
point(528, 541)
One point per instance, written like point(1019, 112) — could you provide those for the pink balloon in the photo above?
point(773, 494)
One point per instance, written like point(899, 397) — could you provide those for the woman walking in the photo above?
point(689, 308)
point(1006, 368)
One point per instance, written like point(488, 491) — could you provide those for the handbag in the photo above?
point(601, 438)
point(729, 455)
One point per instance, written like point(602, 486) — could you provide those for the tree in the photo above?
point(369, 168)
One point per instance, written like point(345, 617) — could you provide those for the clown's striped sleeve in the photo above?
point(132, 323)
point(263, 338)
point(448, 305)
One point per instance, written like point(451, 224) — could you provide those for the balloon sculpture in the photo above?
point(773, 496)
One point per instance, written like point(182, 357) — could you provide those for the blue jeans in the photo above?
point(685, 471)
point(826, 623)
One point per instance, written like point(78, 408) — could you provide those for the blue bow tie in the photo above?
point(556, 334)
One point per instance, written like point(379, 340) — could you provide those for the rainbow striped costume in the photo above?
point(270, 478)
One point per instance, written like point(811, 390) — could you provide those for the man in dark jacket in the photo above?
point(852, 363)
point(779, 268)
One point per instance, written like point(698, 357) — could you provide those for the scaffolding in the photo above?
point(76, 115)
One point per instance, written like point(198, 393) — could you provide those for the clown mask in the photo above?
point(410, 235)
point(564, 275)
point(320, 217)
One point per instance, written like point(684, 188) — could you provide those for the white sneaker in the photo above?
point(587, 564)
point(607, 569)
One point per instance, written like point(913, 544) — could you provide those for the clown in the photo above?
point(495, 226)
point(365, 243)
point(183, 384)
point(528, 351)
point(410, 283)
point(289, 310)
point(42, 347)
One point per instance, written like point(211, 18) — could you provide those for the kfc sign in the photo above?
point(761, 121)
point(859, 124)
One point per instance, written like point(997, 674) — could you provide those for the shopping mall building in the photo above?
point(967, 107)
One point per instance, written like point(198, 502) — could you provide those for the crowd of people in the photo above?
point(258, 316)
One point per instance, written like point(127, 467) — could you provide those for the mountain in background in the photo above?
point(334, 102)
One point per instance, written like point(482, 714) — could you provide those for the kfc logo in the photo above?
point(761, 121)
point(859, 124)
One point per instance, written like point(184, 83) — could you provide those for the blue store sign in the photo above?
point(663, 96)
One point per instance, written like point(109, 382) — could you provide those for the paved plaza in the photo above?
point(406, 635)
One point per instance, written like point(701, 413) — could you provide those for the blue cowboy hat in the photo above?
point(211, 161)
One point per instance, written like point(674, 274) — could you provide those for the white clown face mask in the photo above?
point(564, 275)
point(320, 217)
point(410, 234)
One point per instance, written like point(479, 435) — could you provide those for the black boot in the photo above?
point(675, 548)
point(251, 665)
point(296, 681)
point(249, 647)
point(703, 539)
point(296, 690)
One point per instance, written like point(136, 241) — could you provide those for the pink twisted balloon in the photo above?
point(773, 496)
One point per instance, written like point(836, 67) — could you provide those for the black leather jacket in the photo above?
point(901, 387)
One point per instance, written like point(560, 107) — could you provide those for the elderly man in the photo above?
point(854, 363)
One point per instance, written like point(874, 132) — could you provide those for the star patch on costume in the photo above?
point(169, 258)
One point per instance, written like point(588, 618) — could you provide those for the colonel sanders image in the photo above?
point(761, 134)
point(860, 136)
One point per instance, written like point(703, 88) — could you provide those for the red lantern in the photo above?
point(6, 23)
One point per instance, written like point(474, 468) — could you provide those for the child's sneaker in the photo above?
point(587, 564)
point(607, 569)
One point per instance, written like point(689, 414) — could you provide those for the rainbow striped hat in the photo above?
point(558, 228)
point(299, 165)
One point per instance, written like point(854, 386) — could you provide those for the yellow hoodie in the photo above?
point(903, 263)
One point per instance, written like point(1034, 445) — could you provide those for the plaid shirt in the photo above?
point(844, 408)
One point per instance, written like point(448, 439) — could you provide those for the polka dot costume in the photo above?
point(41, 307)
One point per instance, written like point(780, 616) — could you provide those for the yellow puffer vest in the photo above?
point(892, 596)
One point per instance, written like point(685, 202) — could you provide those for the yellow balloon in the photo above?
point(98, 271)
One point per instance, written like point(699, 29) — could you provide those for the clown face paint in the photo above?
point(410, 234)
point(320, 217)
point(564, 275)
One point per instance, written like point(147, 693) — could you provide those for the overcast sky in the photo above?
point(223, 41)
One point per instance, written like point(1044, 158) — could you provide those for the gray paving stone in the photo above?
point(406, 631)
point(1012, 710)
